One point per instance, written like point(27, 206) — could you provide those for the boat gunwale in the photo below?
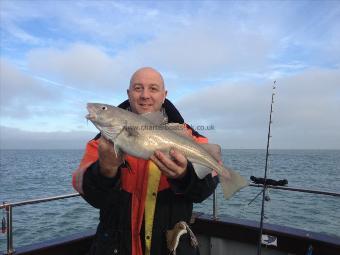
point(223, 227)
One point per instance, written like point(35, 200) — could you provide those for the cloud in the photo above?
point(81, 66)
point(305, 115)
point(227, 52)
point(194, 52)
point(14, 138)
point(176, 39)
point(20, 93)
point(305, 110)
point(309, 33)
point(114, 23)
point(192, 41)
point(22, 35)
point(312, 98)
point(204, 49)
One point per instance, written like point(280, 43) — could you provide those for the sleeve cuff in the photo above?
point(101, 179)
point(180, 186)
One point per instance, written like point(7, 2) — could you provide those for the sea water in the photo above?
point(30, 174)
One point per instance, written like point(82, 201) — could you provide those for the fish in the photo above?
point(140, 135)
point(173, 236)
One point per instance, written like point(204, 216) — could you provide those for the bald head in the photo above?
point(147, 72)
point(146, 91)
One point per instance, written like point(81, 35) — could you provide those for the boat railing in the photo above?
point(8, 207)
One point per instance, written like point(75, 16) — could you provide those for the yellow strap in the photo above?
point(150, 203)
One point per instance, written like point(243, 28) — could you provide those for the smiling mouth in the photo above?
point(145, 105)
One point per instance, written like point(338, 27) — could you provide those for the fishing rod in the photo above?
point(259, 245)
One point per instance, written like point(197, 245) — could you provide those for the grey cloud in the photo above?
point(20, 93)
point(14, 138)
point(82, 66)
point(305, 111)
point(199, 43)
point(199, 50)
point(227, 105)
point(203, 49)
point(192, 30)
point(190, 45)
point(310, 100)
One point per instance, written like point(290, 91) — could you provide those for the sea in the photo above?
point(31, 174)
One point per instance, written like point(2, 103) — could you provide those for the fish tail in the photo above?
point(231, 182)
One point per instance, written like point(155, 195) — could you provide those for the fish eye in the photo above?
point(104, 108)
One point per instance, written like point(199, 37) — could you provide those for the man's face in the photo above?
point(146, 92)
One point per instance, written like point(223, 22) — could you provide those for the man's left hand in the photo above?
point(174, 167)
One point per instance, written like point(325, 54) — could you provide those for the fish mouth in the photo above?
point(89, 107)
point(91, 115)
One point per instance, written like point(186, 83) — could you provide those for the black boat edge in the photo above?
point(231, 233)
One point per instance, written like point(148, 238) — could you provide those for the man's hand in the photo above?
point(175, 167)
point(108, 161)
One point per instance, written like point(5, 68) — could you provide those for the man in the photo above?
point(141, 199)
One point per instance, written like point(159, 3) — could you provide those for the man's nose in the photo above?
point(145, 93)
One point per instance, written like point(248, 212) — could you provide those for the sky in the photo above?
point(219, 60)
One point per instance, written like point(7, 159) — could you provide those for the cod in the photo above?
point(140, 135)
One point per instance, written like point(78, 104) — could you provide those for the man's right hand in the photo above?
point(108, 160)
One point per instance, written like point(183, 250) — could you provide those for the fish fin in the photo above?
point(213, 149)
point(117, 150)
point(179, 129)
point(231, 184)
point(157, 118)
point(201, 171)
point(112, 132)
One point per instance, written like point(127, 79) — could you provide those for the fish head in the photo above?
point(102, 115)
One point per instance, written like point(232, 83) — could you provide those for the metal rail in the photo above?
point(9, 206)
point(39, 200)
point(215, 208)
point(9, 213)
point(320, 192)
